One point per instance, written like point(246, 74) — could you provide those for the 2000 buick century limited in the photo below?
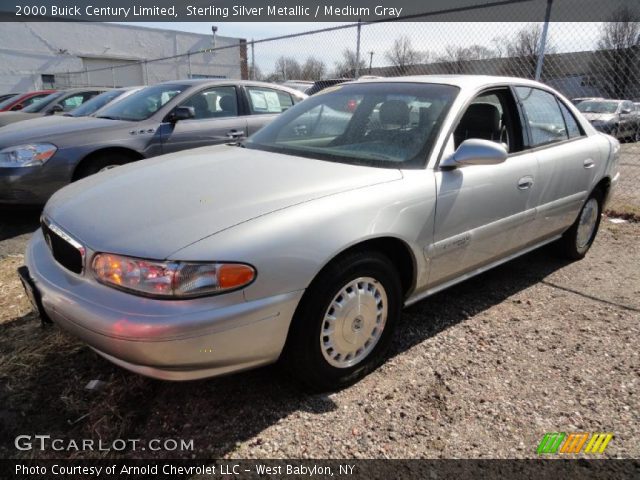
point(304, 243)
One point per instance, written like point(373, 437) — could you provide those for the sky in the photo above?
point(433, 37)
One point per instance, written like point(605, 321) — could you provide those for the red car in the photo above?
point(22, 100)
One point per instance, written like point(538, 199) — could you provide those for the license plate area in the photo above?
point(32, 293)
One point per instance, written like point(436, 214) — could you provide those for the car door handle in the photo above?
point(525, 182)
point(235, 134)
point(588, 163)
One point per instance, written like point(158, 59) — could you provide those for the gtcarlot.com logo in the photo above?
point(559, 442)
point(46, 442)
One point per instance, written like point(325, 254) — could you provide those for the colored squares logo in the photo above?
point(558, 442)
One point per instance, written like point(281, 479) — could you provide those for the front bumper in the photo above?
point(32, 185)
point(165, 339)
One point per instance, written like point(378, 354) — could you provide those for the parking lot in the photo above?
point(483, 369)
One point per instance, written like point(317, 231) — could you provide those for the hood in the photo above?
point(7, 118)
point(153, 208)
point(44, 128)
point(601, 117)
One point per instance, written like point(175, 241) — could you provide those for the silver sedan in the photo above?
point(304, 243)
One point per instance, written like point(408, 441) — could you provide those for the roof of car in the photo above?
point(227, 81)
point(462, 81)
point(202, 81)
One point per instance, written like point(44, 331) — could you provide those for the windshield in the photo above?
point(141, 105)
point(598, 107)
point(391, 125)
point(7, 101)
point(95, 104)
point(41, 103)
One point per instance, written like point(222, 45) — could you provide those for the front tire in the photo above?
point(576, 242)
point(344, 324)
point(100, 163)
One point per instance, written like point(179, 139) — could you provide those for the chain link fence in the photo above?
point(580, 59)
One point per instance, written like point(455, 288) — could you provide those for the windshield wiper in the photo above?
point(108, 117)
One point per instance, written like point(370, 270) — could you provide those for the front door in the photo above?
point(216, 121)
point(484, 212)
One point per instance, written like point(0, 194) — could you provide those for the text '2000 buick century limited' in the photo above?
point(304, 243)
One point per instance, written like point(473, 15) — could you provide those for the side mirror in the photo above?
point(182, 113)
point(17, 107)
point(57, 108)
point(625, 110)
point(475, 151)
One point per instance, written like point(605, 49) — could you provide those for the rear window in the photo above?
point(546, 121)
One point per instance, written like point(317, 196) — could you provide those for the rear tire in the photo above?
point(343, 326)
point(576, 242)
point(99, 163)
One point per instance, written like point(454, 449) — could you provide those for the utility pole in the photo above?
point(214, 29)
point(370, 60)
point(253, 60)
point(543, 40)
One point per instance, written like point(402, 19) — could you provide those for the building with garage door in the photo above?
point(38, 55)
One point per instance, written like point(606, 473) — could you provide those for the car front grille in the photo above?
point(65, 250)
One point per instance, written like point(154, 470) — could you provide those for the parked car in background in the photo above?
point(168, 117)
point(23, 100)
point(322, 84)
point(55, 103)
point(300, 85)
point(618, 118)
point(6, 96)
point(306, 243)
point(576, 101)
point(107, 98)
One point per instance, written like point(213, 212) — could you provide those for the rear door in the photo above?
point(264, 104)
point(217, 120)
point(566, 156)
point(484, 212)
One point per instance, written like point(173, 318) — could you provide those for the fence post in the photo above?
point(146, 74)
point(543, 40)
point(189, 62)
point(357, 70)
point(113, 77)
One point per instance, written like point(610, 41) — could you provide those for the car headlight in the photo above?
point(170, 279)
point(31, 155)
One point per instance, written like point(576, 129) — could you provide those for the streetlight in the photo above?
point(214, 29)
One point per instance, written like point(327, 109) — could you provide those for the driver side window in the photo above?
point(491, 116)
point(217, 102)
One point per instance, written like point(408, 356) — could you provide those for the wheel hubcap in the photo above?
point(354, 322)
point(587, 223)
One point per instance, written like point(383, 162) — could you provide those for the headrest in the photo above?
point(483, 117)
point(394, 112)
point(228, 103)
